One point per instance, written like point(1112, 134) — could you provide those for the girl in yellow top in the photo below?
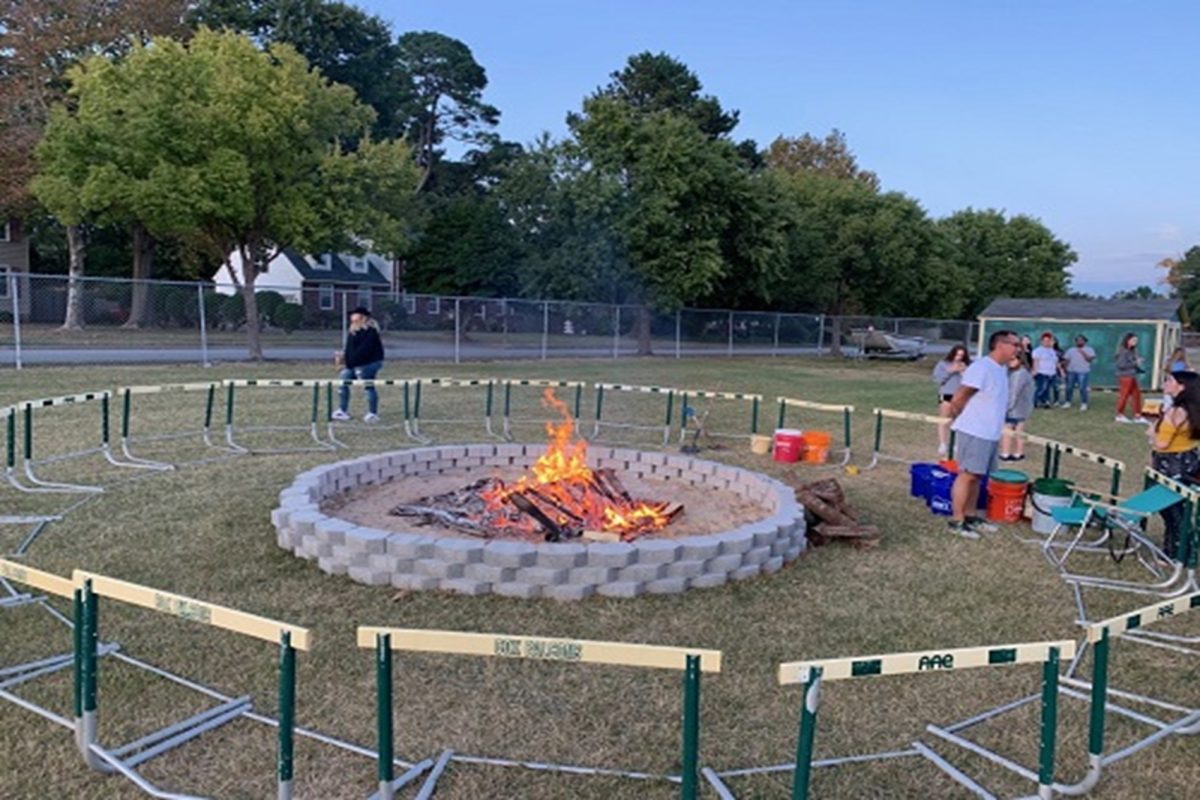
point(1173, 442)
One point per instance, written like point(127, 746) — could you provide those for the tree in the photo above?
point(829, 156)
point(446, 95)
point(1185, 279)
point(232, 149)
point(1140, 293)
point(1001, 257)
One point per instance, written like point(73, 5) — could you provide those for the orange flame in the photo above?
point(562, 476)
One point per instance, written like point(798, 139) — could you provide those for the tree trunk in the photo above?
point(835, 335)
point(642, 329)
point(143, 265)
point(77, 249)
point(249, 275)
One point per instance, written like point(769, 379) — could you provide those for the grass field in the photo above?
point(205, 531)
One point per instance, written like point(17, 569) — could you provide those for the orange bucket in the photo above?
point(1006, 500)
point(816, 447)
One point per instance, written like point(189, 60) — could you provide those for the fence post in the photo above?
point(345, 321)
point(775, 351)
point(13, 292)
point(204, 362)
point(678, 332)
point(730, 333)
point(545, 326)
point(616, 331)
point(821, 336)
point(457, 333)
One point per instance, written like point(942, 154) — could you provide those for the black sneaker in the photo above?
point(979, 525)
point(958, 528)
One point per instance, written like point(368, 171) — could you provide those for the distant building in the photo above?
point(14, 267)
point(1157, 324)
point(324, 284)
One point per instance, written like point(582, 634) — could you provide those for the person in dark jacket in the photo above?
point(362, 360)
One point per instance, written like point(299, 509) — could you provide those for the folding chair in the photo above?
point(1126, 518)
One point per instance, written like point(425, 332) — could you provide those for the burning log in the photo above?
point(608, 478)
point(554, 531)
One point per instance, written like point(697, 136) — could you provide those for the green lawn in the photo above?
point(205, 531)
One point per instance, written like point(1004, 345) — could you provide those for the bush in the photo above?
point(288, 316)
point(178, 306)
point(268, 301)
point(232, 311)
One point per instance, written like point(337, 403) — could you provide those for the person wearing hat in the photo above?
point(361, 359)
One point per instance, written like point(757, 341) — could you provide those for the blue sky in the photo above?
point(1082, 114)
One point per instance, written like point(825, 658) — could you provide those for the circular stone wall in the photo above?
point(563, 571)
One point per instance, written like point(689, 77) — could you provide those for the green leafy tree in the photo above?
point(230, 148)
point(829, 156)
point(1005, 257)
point(1184, 278)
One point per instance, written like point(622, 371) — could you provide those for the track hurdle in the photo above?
point(38, 484)
point(845, 411)
point(575, 651)
point(812, 674)
point(508, 384)
point(690, 415)
point(880, 414)
point(127, 393)
point(489, 404)
point(667, 392)
point(90, 588)
point(318, 445)
point(331, 424)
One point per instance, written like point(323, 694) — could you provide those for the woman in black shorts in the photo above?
point(947, 374)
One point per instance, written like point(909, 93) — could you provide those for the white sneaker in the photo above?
point(1140, 420)
point(1123, 418)
point(1064, 405)
point(1083, 407)
point(369, 417)
point(340, 416)
point(941, 449)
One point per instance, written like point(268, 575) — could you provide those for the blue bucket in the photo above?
point(941, 481)
point(919, 480)
point(983, 494)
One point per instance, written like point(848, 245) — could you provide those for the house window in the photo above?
point(433, 306)
point(410, 304)
point(5, 231)
point(3, 281)
point(359, 264)
point(364, 298)
point(324, 262)
point(325, 298)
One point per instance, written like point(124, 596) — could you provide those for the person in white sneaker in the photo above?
point(1079, 370)
point(1129, 366)
point(361, 359)
point(1045, 371)
point(947, 374)
point(979, 408)
point(1020, 406)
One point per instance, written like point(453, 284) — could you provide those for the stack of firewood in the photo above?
point(832, 517)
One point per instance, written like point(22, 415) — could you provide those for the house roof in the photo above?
point(340, 272)
point(1078, 308)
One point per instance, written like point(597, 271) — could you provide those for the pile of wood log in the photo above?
point(831, 517)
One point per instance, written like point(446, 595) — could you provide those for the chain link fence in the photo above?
point(54, 319)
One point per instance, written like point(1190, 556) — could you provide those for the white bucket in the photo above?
point(1043, 504)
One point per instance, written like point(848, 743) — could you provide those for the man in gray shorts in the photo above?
point(978, 409)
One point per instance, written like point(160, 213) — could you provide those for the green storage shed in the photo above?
point(1156, 323)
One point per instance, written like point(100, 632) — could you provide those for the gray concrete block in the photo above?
point(667, 586)
point(459, 551)
point(525, 591)
point(465, 586)
point(738, 541)
point(793, 553)
point(332, 530)
point(568, 591)
point(410, 545)
point(561, 555)
point(744, 573)
point(685, 569)
point(541, 576)
point(723, 564)
point(414, 583)
point(757, 556)
point(436, 568)
point(610, 554)
point(591, 575)
point(640, 573)
point(699, 547)
point(371, 577)
point(709, 580)
point(765, 533)
point(489, 573)
point(331, 565)
point(302, 522)
point(657, 551)
point(367, 540)
point(621, 589)
point(481, 450)
point(509, 554)
point(772, 565)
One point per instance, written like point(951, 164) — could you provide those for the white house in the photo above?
point(327, 283)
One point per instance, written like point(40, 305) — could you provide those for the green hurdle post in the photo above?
point(417, 402)
point(88, 638)
point(316, 404)
point(10, 441)
point(1049, 725)
point(104, 419)
point(77, 641)
point(1099, 696)
point(808, 729)
point(287, 713)
point(383, 712)
point(208, 406)
point(754, 415)
point(670, 412)
point(782, 412)
point(487, 403)
point(683, 408)
point(1115, 485)
point(28, 431)
point(691, 729)
point(407, 413)
point(229, 406)
point(599, 407)
point(846, 426)
point(126, 409)
point(878, 430)
point(1047, 449)
point(578, 399)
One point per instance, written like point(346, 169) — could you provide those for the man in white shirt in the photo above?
point(978, 409)
point(1045, 370)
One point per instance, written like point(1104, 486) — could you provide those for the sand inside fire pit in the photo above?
point(705, 510)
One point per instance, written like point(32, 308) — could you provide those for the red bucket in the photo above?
point(789, 445)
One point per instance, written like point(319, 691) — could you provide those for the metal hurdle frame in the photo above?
point(128, 440)
point(703, 394)
point(88, 589)
point(383, 641)
point(44, 486)
point(489, 386)
point(330, 404)
point(670, 393)
point(844, 410)
point(509, 383)
point(318, 445)
point(880, 414)
point(812, 674)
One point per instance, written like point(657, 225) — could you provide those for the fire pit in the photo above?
point(563, 520)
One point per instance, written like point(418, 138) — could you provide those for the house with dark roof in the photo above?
point(325, 285)
point(14, 268)
point(1157, 323)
